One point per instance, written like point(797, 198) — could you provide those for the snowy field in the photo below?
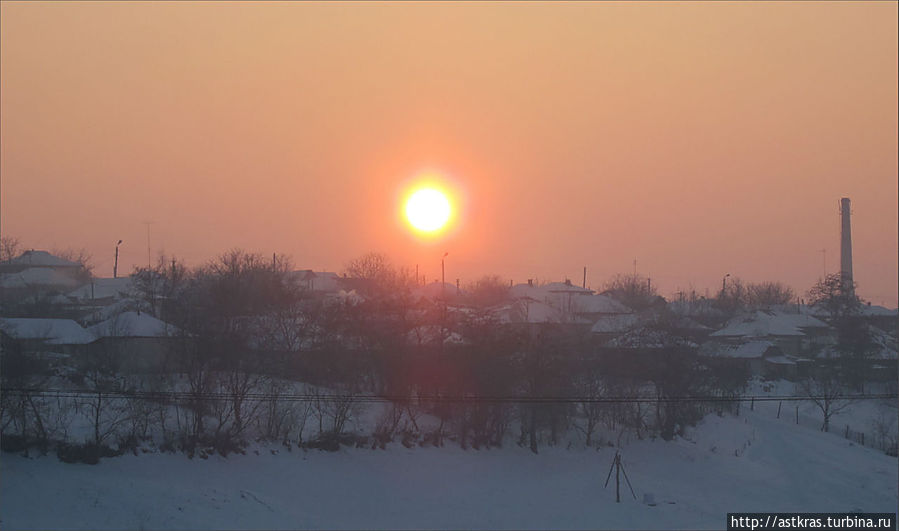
point(726, 464)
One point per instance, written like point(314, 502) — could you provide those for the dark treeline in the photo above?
point(248, 328)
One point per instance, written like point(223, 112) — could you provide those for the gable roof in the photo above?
point(53, 331)
point(613, 324)
point(101, 288)
point(41, 259)
point(649, 337)
point(750, 349)
point(764, 323)
point(37, 276)
point(132, 324)
point(600, 304)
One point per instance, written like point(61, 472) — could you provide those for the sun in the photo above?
point(428, 210)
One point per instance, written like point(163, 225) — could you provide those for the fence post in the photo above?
point(797, 414)
point(778, 408)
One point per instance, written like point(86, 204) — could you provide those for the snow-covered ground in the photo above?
point(753, 462)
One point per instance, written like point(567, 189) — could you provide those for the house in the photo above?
point(758, 357)
point(137, 341)
point(44, 335)
point(317, 281)
point(608, 327)
point(795, 334)
point(102, 291)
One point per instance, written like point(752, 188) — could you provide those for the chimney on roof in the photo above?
point(845, 244)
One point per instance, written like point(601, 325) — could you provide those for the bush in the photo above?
point(331, 441)
point(13, 443)
point(88, 453)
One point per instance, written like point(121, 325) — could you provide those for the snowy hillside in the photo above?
point(753, 462)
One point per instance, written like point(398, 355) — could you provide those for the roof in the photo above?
point(53, 331)
point(764, 323)
point(132, 324)
point(37, 276)
point(750, 349)
point(41, 259)
point(317, 280)
point(534, 312)
point(600, 304)
point(649, 337)
point(613, 324)
point(780, 360)
point(102, 288)
point(565, 287)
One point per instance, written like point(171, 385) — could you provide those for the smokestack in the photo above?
point(845, 244)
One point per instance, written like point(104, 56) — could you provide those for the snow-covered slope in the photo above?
point(753, 462)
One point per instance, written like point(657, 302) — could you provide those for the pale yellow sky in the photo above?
point(699, 138)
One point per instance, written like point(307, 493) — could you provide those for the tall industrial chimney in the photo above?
point(845, 244)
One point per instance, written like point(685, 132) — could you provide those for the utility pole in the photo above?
point(148, 223)
point(443, 276)
point(115, 267)
point(585, 277)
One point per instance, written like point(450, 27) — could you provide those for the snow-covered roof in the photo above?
point(101, 288)
point(37, 276)
point(565, 287)
point(649, 337)
point(749, 349)
point(41, 259)
point(53, 331)
point(780, 360)
point(546, 290)
point(600, 304)
point(317, 280)
point(132, 324)
point(874, 310)
point(764, 323)
point(686, 323)
point(613, 324)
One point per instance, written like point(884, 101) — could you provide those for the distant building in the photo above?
point(137, 341)
point(44, 335)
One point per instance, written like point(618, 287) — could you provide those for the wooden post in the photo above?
point(617, 472)
point(778, 408)
point(797, 414)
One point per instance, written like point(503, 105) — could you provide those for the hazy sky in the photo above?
point(701, 139)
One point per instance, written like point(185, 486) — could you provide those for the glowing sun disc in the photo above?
point(428, 210)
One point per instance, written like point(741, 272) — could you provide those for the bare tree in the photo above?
point(836, 296)
point(828, 393)
point(81, 257)
point(634, 291)
point(487, 291)
point(766, 294)
point(10, 247)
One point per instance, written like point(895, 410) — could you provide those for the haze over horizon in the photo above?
point(700, 139)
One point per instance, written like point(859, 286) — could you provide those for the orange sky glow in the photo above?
point(700, 139)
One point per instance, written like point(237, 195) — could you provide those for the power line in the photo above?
point(473, 399)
